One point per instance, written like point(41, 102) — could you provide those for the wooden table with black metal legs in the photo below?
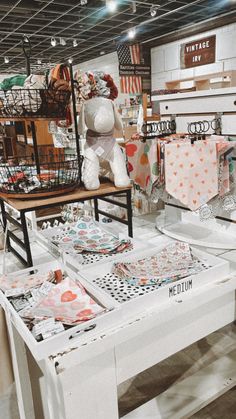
point(104, 193)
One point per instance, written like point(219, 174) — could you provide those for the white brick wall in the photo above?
point(166, 58)
point(171, 57)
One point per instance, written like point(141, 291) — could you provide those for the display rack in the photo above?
point(158, 129)
point(200, 113)
point(22, 207)
point(205, 82)
point(79, 195)
point(34, 104)
point(201, 105)
point(141, 328)
point(138, 331)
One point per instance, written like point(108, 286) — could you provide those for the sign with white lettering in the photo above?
point(198, 53)
point(135, 70)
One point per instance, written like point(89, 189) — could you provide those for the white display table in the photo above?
point(81, 375)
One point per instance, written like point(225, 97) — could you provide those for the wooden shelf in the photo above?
point(204, 82)
point(77, 195)
point(29, 118)
point(154, 117)
point(146, 105)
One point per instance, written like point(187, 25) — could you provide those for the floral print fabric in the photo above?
point(25, 282)
point(142, 163)
point(88, 236)
point(67, 302)
point(191, 172)
point(174, 262)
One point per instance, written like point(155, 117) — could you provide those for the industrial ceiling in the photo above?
point(85, 29)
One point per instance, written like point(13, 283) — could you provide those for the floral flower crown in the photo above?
point(96, 84)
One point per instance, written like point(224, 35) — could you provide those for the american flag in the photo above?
point(129, 54)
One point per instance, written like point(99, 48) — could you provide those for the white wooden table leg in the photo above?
point(53, 399)
point(6, 373)
point(87, 391)
point(21, 373)
point(33, 219)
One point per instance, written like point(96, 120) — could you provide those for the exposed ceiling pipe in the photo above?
point(45, 26)
point(22, 24)
point(114, 38)
point(10, 10)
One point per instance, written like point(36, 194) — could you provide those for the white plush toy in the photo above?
point(100, 116)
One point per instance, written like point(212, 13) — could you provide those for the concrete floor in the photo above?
point(157, 379)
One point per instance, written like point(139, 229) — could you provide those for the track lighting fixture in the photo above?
point(53, 42)
point(70, 60)
point(153, 10)
point(6, 60)
point(111, 5)
point(75, 43)
point(62, 42)
point(132, 33)
point(133, 7)
point(39, 61)
point(26, 39)
point(83, 2)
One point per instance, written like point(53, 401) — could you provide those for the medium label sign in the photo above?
point(199, 52)
point(180, 288)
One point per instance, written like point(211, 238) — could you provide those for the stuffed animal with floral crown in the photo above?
point(99, 115)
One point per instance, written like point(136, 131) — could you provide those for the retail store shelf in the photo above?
point(187, 397)
point(184, 225)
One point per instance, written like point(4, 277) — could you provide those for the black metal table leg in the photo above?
point(22, 224)
point(26, 238)
point(129, 212)
point(96, 209)
point(4, 222)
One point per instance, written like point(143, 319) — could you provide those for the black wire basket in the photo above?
point(37, 103)
point(19, 177)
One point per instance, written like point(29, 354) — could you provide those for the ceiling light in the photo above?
point(6, 60)
point(62, 42)
point(153, 10)
point(26, 39)
point(111, 5)
point(70, 60)
point(53, 42)
point(132, 33)
point(39, 61)
point(102, 53)
point(83, 2)
point(75, 43)
point(133, 7)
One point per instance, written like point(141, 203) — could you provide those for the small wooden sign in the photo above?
point(200, 52)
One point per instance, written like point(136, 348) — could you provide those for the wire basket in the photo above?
point(19, 177)
point(37, 103)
